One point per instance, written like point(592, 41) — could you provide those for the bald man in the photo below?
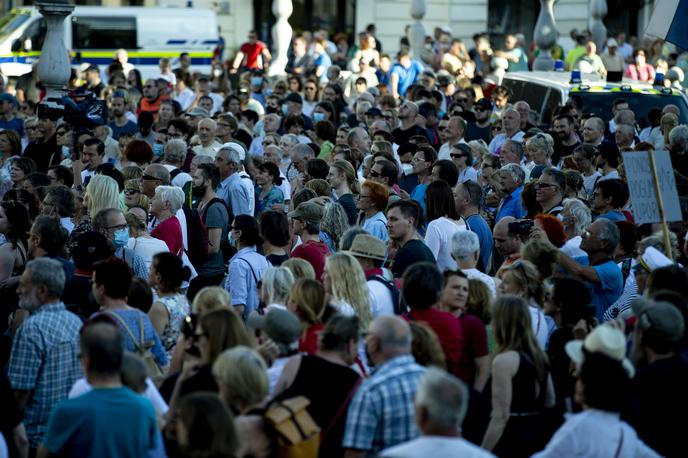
point(511, 130)
point(507, 244)
point(381, 413)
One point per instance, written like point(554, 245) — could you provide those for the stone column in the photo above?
point(545, 36)
point(54, 65)
point(417, 31)
point(598, 11)
point(281, 36)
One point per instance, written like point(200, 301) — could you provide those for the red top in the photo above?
point(252, 52)
point(448, 330)
point(475, 346)
point(309, 342)
point(313, 252)
point(170, 232)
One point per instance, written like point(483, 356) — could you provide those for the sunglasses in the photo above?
point(147, 177)
point(544, 185)
point(131, 192)
point(374, 174)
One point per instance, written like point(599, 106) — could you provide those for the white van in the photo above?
point(92, 34)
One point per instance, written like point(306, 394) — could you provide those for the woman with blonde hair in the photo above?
point(134, 196)
point(300, 269)
point(425, 346)
point(346, 287)
point(342, 178)
point(210, 298)
point(275, 286)
point(539, 149)
point(242, 377)
point(519, 367)
point(522, 279)
point(307, 301)
point(101, 192)
point(666, 123)
point(333, 225)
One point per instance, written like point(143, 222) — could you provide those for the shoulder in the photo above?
point(506, 362)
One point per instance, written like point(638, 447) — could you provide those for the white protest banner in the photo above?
point(642, 187)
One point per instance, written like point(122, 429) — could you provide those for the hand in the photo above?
point(268, 349)
point(233, 71)
point(77, 166)
point(403, 194)
point(582, 328)
point(190, 370)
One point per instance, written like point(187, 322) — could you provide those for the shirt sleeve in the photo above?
point(432, 239)
point(62, 426)
point(240, 201)
point(607, 275)
point(25, 360)
point(236, 282)
point(361, 422)
point(477, 338)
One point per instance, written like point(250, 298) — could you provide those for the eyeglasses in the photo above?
point(479, 108)
point(310, 88)
point(442, 128)
point(461, 100)
point(374, 174)
point(457, 155)
point(496, 127)
point(361, 196)
point(61, 133)
point(118, 227)
point(544, 185)
point(147, 177)
point(131, 192)
point(418, 159)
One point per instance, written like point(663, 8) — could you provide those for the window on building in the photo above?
point(103, 32)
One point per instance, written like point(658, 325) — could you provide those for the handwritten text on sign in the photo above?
point(642, 190)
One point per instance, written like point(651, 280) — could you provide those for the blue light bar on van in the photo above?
point(659, 79)
point(558, 65)
point(575, 77)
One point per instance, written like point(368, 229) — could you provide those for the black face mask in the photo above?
point(199, 191)
point(270, 110)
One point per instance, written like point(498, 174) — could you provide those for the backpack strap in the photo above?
point(253, 272)
point(138, 344)
point(341, 409)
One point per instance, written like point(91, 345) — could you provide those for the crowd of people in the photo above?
point(367, 257)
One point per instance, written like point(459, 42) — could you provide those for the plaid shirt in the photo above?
point(44, 361)
point(382, 413)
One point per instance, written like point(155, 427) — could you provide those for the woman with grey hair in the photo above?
point(165, 204)
point(576, 217)
point(173, 159)
point(275, 286)
point(539, 150)
point(333, 225)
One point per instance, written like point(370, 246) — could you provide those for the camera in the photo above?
point(521, 228)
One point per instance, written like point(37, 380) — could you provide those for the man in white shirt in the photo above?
point(511, 123)
point(59, 203)
point(206, 134)
point(454, 133)
point(466, 253)
point(173, 160)
point(441, 404)
point(613, 61)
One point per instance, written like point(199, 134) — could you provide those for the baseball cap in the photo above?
point(661, 320)
point(199, 111)
point(280, 325)
point(5, 97)
point(484, 103)
point(374, 112)
point(309, 212)
point(444, 78)
point(611, 43)
point(367, 246)
point(606, 340)
point(294, 97)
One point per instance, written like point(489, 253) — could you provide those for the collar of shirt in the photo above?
point(390, 364)
point(56, 306)
point(229, 180)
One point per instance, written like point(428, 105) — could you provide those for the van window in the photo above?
point(33, 37)
point(103, 32)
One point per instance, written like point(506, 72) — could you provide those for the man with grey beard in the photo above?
point(44, 362)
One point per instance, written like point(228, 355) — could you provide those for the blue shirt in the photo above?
point(605, 293)
point(103, 423)
point(407, 76)
point(246, 268)
point(418, 194)
point(323, 60)
point(511, 206)
point(44, 360)
point(235, 195)
point(133, 319)
point(129, 128)
point(614, 216)
point(377, 225)
point(381, 413)
point(14, 124)
point(479, 226)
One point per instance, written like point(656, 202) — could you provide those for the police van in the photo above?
point(544, 91)
point(92, 34)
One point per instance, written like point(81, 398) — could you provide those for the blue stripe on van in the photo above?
point(176, 42)
point(104, 60)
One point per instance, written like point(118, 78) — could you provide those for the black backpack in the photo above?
point(399, 307)
point(197, 237)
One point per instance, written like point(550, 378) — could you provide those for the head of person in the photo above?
point(423, 159)
point(465, 247)
point(570, 299)
point(454, 294)
point(623, 136)
point(42, 282)
point(609, 195)
point(522, 279)
point(275, 285)
point(219, 330)
point(58, 202)
point(307, 300)
point(422, 285)
point(153, 176)
point(274, 228)
point(167, 201)
point(242, 377)
point(439, 201)
point(403, 219)
point(167, 272)
point(102, 350)
point(549, 189)
point(111, 279)
point(14, 223)
point(228, 161)
point(246, 231)
point(139, 152)
point(511, 121)
point(506, 242)
point(92, 153)
point(511, 177)
point(205, 426)
point(373, 196)
point(341, 335)
point(593, 130)
point(206, 177)
point(441, 403)
point(512, 152)
point(21, 168)
point(388, 336)
point(601, 237)
point(210, 298)
point(384, 172)
point(306, 218)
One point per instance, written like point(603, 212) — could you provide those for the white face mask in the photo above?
point(217, 72)
point(407, 169)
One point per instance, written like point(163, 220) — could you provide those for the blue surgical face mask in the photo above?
point(66, 154)
point(121, 238)
point(285, 108)
point(158, 149)
point(256, 81)
point(317, 116)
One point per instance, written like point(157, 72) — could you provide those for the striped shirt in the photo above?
point(44, 361)
point(381, 413)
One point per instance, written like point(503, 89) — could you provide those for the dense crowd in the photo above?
point(367, 257)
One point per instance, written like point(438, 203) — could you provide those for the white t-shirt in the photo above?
point(589, 183)
point(381, 301)
point(82, 386)
point(436, 447)
point(438, 239)
point(537, 319)
point(147, 247)
point(475, 274)
point(572, 247)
